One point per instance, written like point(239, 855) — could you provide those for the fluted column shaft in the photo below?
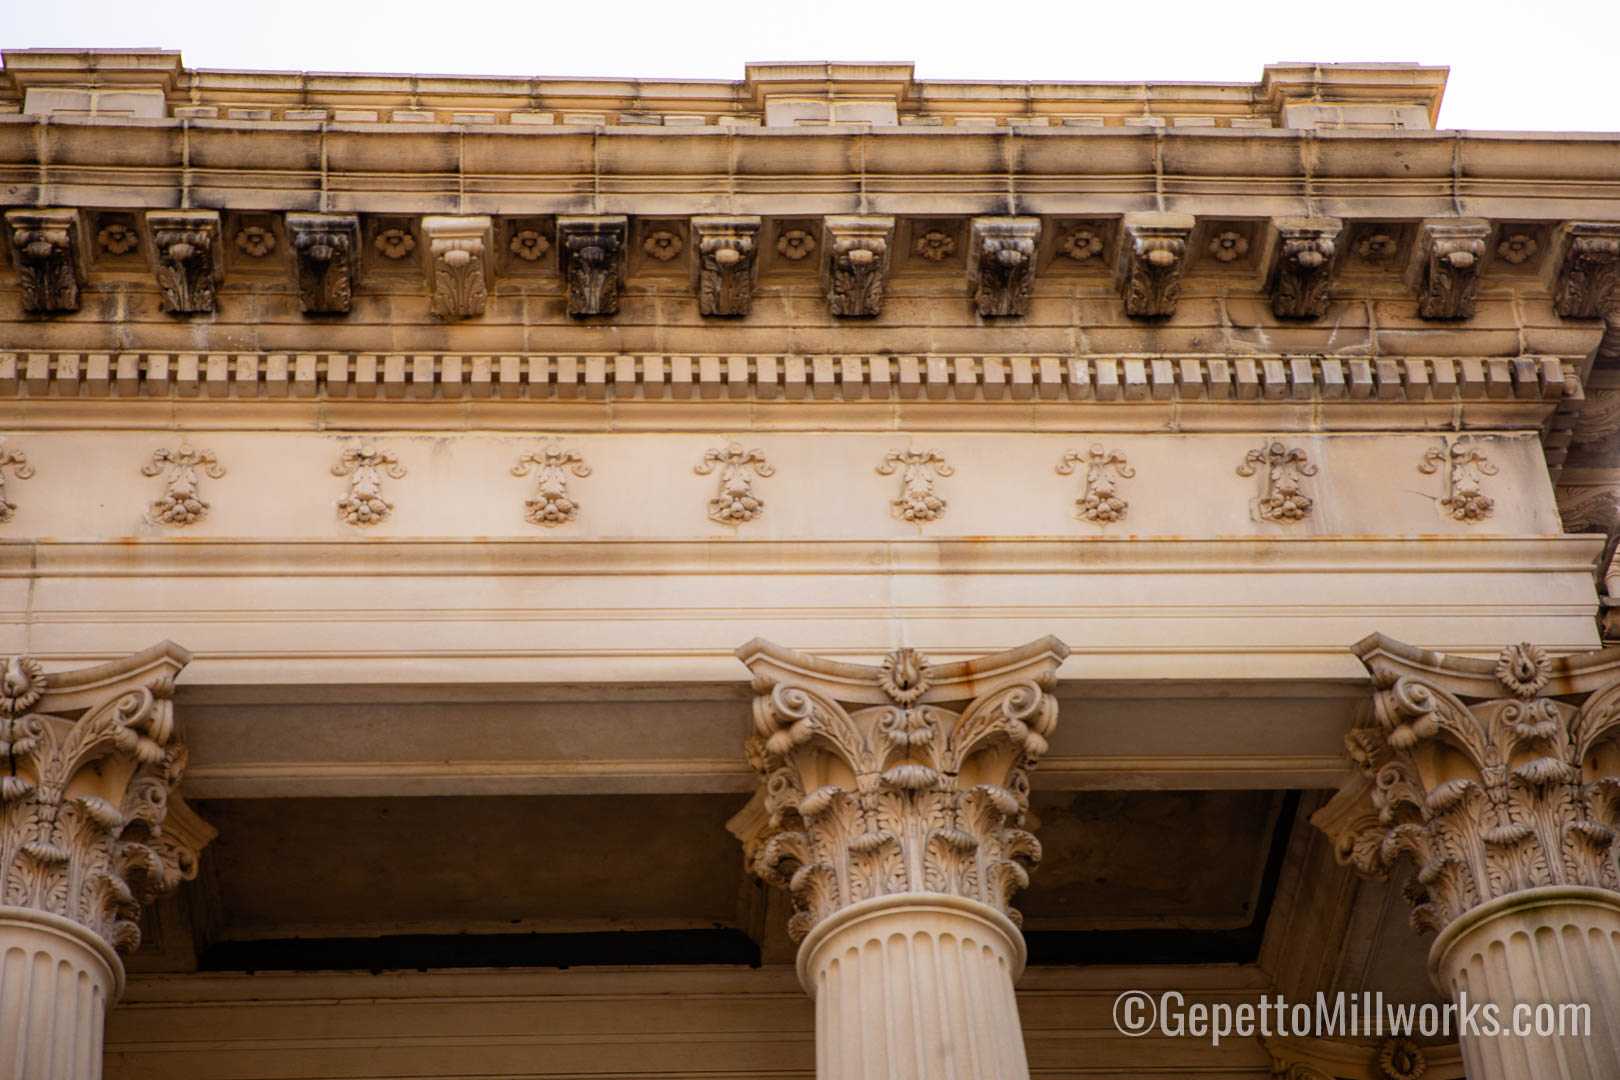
point(916, 988)
point(57, 980)
point(1548, 958)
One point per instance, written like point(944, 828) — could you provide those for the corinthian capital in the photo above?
point(88, 761)
point(905, 778)
point(1493, 777)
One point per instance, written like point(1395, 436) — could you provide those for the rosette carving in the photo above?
point(89, 829)
point(1491, 776)
point(909, 778)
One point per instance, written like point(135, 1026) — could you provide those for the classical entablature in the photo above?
point(462, 428)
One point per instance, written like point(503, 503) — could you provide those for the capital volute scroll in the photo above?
point(1490, 776)
point(89, 826)
point(907, 778)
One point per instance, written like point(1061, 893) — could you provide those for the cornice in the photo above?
point(336, 165)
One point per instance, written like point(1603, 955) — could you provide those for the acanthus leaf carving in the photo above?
point(1599, 418)
point(365, 467)
point(1491, 777)
point(917, 502)
point(1099, 500)
point(1001, 264)
point(324, 247)
point(735, 503)
point(1589, 508)
point(186, 258)
point(1282, 495)
point(1451, 252)
point(47, 251)
point(458, 266)
point(592, 253)
point(181, 502)
point(88, 764)
point(856, 267)
point(1466, 467)
point(909, 778)
point(727, 263)
point(1590, 273)
point(1151, 262)
point(1301, 283)
point(20, 468)
point(551, 505)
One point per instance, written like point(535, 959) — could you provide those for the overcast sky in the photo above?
point(1548, 65)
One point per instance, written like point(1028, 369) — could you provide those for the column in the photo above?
point(892, 809)
point(1500, 782)
point(88, 832)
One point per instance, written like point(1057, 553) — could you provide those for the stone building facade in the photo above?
point(523, 578)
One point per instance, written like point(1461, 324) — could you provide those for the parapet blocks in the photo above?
point(1001, 261)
